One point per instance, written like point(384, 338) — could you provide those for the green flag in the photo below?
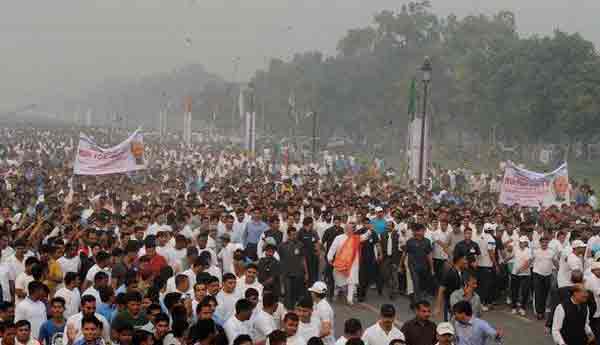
point(412, 98)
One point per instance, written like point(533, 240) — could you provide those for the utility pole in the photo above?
point(426, 69)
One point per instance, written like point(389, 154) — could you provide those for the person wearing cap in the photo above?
point(379, 220)
point(486, 263)
point(520, 276)
point(571, 262)
point(592, 284)
point(322, 308)
point(444, 334)
point(543, 266)
point(273, 233)
point(384, 330)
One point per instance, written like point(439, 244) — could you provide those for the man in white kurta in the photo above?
point(347, 280)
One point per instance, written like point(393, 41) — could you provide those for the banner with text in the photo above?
point(529, 188)
point(127, 156)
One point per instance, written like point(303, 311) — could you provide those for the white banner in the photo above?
point(92, 159)
point(414, 146)
point(529, 188)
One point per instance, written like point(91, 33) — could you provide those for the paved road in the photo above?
point(518, 330)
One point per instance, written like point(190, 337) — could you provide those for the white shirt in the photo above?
point(557, 323)
point(486, 243)
point(242, 286)
point(296, 340)
point(5, 282)
point(92, 273)
point(310, 329)
point(543, 261)
point(69, 264)
point(567, 265)
point(263, 324)
point(375, 335)
point(521, 257)
point(17, 267)
point(234, 328)
point(592, 283)
point(22, 282)
point(93, 292)
point(32, 311)
point(441, 236)
point(341, 341)
point(75, 322)
point(226, 304)
point(226, 256)
point(324, 312)
point(72, 300)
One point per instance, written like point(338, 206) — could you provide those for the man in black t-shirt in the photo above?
point(368, 271)
point(452, 281)
point(420, 262)
point(310, 244)
point(328, 236)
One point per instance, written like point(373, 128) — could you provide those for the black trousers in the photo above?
point(485, 278)
point(519, 286)
point(595, 326)
point(439, 268)
point(541, 288)
point(294, 290)
point(312, 263)
point(328, 276)
point(368, 274)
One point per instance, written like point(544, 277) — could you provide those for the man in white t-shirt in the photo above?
point(32, 308)
point(227, 297)
point(239, 323)
point(441, 242)
point(70, 293)
point(249, 280)
point(543, 267)
point(291, 323)
point(384, 330)
point(486, 263)
point(263, 322)
point(520, 277)
point(571, 262)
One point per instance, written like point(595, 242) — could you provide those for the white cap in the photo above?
point(445, 328)
point(523, 239)
point(595, 265)
point(318, 287)
point(378, 209)
point(577, 244)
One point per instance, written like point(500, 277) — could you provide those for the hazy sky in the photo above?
point(60, 47)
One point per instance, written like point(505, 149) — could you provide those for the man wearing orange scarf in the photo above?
point(344, 256)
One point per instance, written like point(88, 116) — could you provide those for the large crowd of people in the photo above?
point(210, 246)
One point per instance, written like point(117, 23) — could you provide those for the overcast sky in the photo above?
point(61, 47)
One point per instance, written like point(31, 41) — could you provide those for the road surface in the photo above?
point(518, 330)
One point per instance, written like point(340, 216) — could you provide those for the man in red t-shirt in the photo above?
point(156, 261)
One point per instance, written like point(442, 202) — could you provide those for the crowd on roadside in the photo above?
point(209, 246)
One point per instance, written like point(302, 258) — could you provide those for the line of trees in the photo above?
point(487, 81)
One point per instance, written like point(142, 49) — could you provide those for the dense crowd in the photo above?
point(210, 246)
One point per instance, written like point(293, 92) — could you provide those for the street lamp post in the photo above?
point(426, 69)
